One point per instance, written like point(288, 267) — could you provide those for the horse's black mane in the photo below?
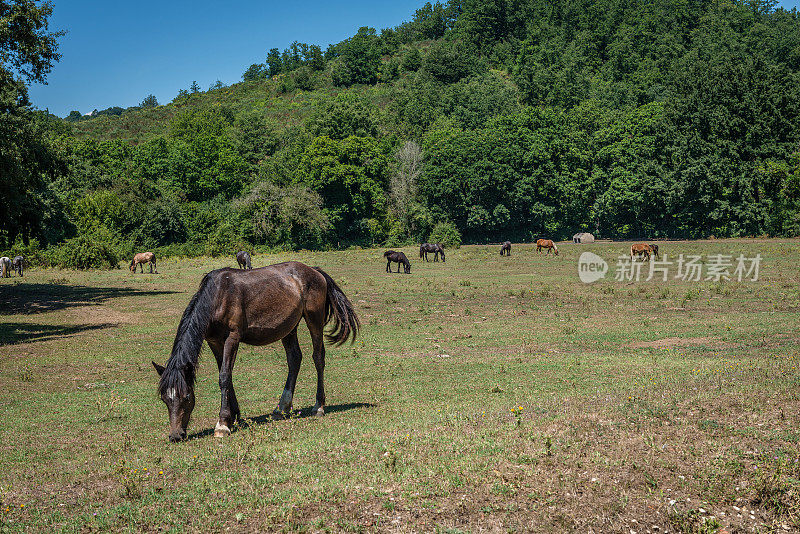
point(179, 373)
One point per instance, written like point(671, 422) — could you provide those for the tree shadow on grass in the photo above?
point(28, 299)
point(13, 333)
point(296, 414)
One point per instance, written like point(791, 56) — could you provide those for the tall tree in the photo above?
point(27, 54)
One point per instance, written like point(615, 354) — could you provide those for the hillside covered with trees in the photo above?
point(493, 119)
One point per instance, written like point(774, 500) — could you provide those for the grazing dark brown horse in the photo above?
point(141, 258)
point(243, 259)
point(642, 250)
point(548, 244)
point(399, 258)
point(18, 265)
point(505, 248)
point(654, 250)
point(436, 248)
point(256, 307)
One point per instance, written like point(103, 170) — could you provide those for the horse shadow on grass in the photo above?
point(29, 299)
point(245, 422)
point(13, 333)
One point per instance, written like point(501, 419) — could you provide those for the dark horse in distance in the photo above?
point(505, 249)
point(243, 259)
point(18, 264)
point(399, 258)
point(256, 307)
point(435, 248)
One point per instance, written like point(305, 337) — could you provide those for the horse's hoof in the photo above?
point(318, 412)
point(278, 415)
point(221, 431)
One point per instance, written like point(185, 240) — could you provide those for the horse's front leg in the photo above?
point(229, 407)
point(293, 359)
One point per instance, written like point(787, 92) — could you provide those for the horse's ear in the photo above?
point(159, 368)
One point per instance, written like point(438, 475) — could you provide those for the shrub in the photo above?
point(303, 79)
point(446, 234)
point(33, 252)
point(93, 251)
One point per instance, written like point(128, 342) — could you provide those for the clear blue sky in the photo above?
point(116, 53)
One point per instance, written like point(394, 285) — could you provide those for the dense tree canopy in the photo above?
point(498, 119)
point(27, 53)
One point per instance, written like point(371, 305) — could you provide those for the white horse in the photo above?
point(5, 267)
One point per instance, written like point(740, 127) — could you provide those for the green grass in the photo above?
point(484, 392)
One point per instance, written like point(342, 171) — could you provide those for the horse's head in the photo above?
point(441, 251)
point(177, 392)
point(555, 249)
point(132, 265)
point(388, 253)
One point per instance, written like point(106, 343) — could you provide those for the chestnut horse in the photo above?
point(141, 258)
point(399, 258)
point(654, 249)
point(243, 259)
point(548, 244)
point(642, 250)
point(257, 307)
point(505, 248)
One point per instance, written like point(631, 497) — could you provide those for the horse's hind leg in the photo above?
point(229, 406)
point(293, 359)
point(315, 327)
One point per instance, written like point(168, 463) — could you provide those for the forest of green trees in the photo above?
point(477, 120)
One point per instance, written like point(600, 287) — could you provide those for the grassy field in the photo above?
point(484, 394)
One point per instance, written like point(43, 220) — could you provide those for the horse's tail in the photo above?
point(339, 308)
point(189, 338)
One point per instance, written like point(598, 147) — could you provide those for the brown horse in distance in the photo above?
point(257, 307)
point(641, 250)
point(548, 244)
point(505, 248)
point(141, 258)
